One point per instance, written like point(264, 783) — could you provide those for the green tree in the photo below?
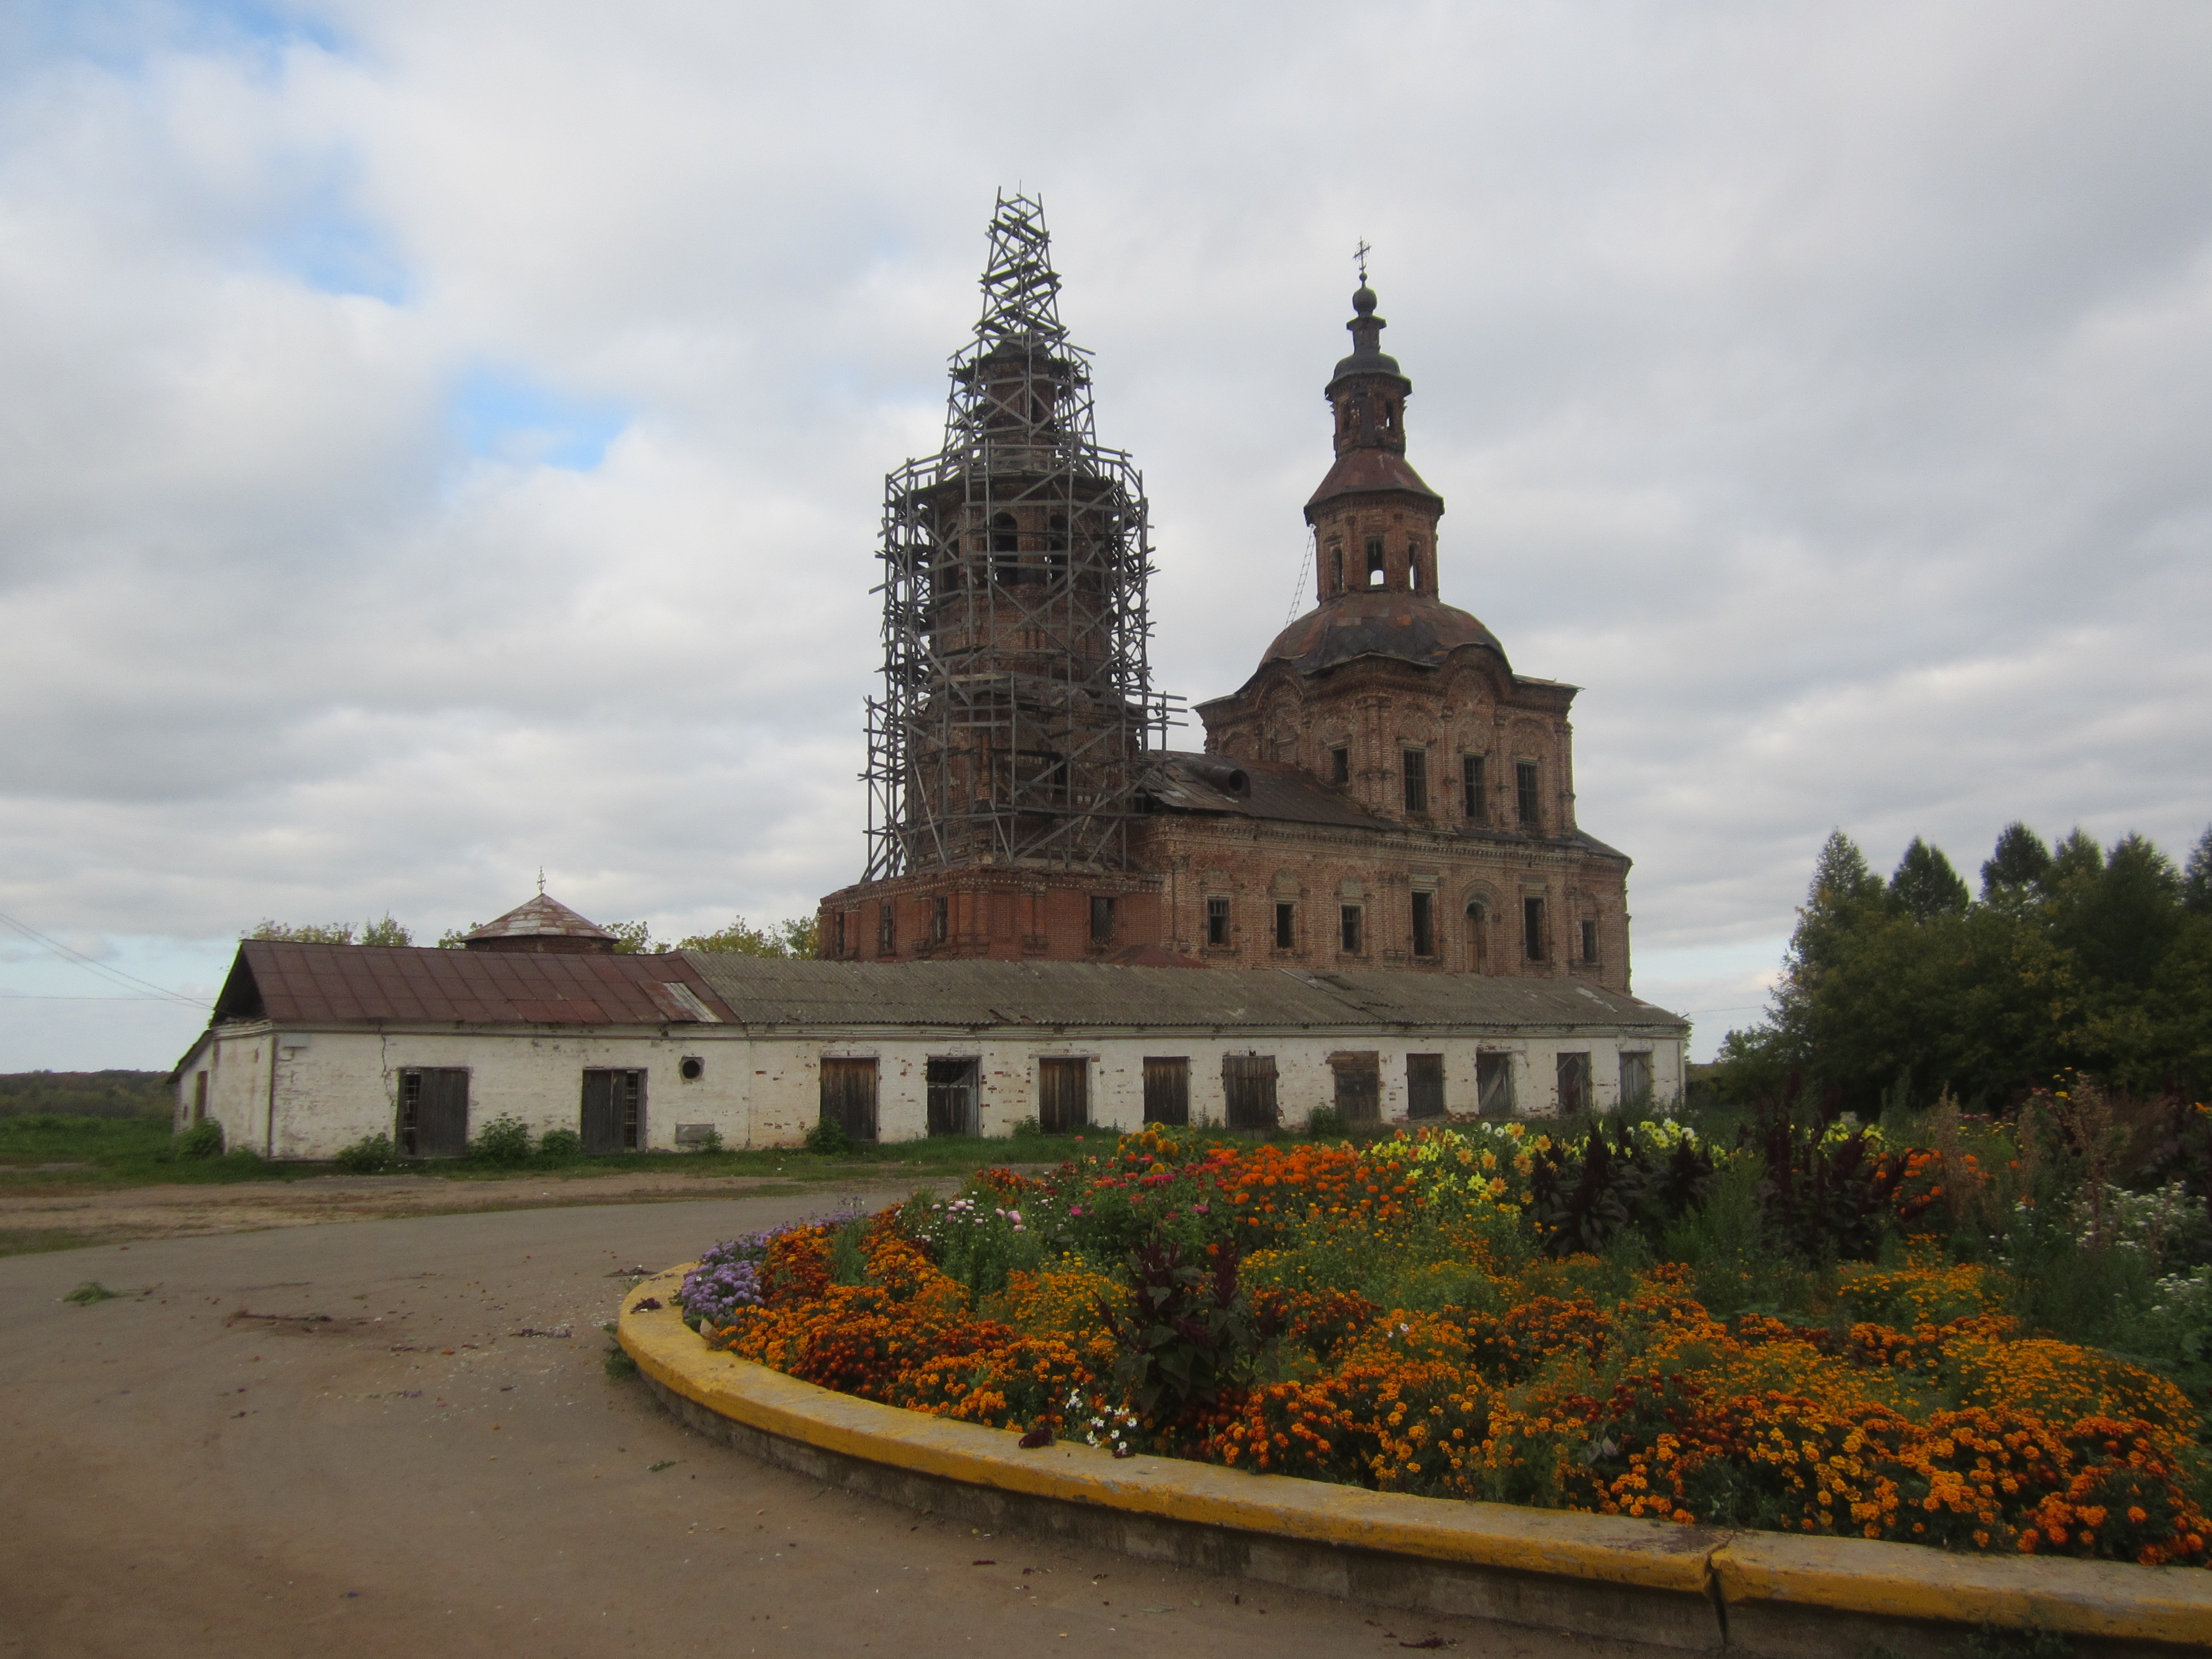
point(741, 938)
point(2017, 866)
point(2119, 916)
point(385, 931)
point(1925, 885)
point(632, 938)
point(335, 933)
point(2196, 878)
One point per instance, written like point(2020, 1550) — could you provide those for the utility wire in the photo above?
point(113, 976)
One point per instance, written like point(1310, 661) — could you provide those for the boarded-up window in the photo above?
point(433, 1111)
point(1635, 1080)
point(848, 1095)
point(1063, 1096)
point(614, 1111)
point(1217, 921)
point(1575, 1082)
point(1493, 1086)
point(1248, 1083)
point(952, 1084)
point(1167, 1090)
point(1358, 1087)
point(1425, 1086)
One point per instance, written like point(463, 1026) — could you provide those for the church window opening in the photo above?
point(1006, 549)
point(1217, 921)
point(1348, 919)
point(1472, 804)
point(1287, 932)
point(1336, 563)
point(837, 934)
point(1589, 941)
point(1055, 544)
point(1478, 934)
point(1417, 779)
point(1340, 764)
point(941, 919)
point(1526, 796)
point(886, 931)
point(1532, 928)
point(1425, 924)
point(1102, 920)
point(1376, 575)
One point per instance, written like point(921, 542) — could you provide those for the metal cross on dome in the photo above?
point(1360, 254)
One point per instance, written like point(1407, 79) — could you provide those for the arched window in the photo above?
point(1478, 935)
point(1006, 549)
point(1055, 545)
point(1336, 558)
point(1377, 576)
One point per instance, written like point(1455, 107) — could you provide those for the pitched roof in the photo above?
point(773, 991)
point(308, 984)
point(1272, 789)
point(542, 917)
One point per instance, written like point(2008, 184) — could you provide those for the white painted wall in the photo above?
point(333, 1088)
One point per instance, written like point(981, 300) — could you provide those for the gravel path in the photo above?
point(342, 1440)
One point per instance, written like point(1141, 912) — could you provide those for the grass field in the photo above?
point(42, 1150)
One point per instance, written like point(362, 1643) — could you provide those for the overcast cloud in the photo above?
point(441, 440)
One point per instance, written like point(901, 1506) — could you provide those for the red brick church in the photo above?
point(1384, 791)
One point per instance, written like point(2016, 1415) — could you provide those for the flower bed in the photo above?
point(1419, 1314)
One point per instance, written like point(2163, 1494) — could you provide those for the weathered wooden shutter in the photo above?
point(1425, 1086)
point(1574, 1082)
point(1248, 1082)
point(613, 1118)
point(848, 1096)
point(1166, 1091)
point(1358, 1086)
point(433, 1111)
point(1493, 1086)
point(1635, 1080)
point(1063, 1096)
point(951, 1086)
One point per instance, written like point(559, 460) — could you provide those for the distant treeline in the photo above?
point(2077, 958)
point(85, 1094)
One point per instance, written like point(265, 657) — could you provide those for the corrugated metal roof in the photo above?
point(542, 917)
point(770, 991)
point(311, 984)
point(1191, 783)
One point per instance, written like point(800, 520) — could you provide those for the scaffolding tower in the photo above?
point(1016, 702)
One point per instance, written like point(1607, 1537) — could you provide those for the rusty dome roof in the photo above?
point(1379, 623)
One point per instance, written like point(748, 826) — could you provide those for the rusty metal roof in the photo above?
point(1202, 783)
point(312, 984)
point(1379, 623)
point(766, 991)
point(542, 917)
point(1364, 471)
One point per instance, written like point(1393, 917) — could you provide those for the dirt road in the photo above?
point(339, 1441)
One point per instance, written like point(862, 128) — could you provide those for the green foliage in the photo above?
point(741, 938)
point(1028, 1129)
point(86, 1094)
point(370, 1155)
point(2196, 878)
point(827, 1139)
point(332, 932)
point(2077, 957)
point(632, 938)
point(848, 1263)
point(1325, 1123)
point(559, 1146)
point(90, 1293)
point(456, 938)
point(1925, 885)
point(385, 931)
point(708, 1143)
point(616, 1362)
point(503, 1143)
point(203, 1140)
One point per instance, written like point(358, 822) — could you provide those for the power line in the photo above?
point(113, 976)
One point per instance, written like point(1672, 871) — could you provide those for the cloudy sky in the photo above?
point(444, 438)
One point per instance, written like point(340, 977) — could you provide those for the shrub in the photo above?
point(559, 1146)
point(709, 1142)
point(203, 1140)
point(504, 1142)
point(370, 1155)
point(828, 1138)
point(1028, 1129)
point(1325, 1123)
point(1190, 1332)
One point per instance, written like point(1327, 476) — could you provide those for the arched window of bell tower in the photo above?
point(1006, 549)
point(1336, 565)
point(1055, 546)
point(1377, 574)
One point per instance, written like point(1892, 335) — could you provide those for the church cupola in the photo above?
point(1374, 520)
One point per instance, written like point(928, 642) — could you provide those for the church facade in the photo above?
point(1384, 792)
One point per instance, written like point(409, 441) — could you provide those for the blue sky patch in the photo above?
point(503, 416)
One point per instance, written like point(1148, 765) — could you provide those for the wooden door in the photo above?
point(1425, 1086)
point(1574, 1082)
point(1358, 1087)
point(848, 1096)
point(1248, 1081)
point(433, 1111)
point(614, 1111)
point(1167, 1090)
point(1063, 1096)
point(1635, 1080)
point(952, 1097)
point(1493, 1086)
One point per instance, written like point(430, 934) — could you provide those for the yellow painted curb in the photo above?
point(2109, 1599)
